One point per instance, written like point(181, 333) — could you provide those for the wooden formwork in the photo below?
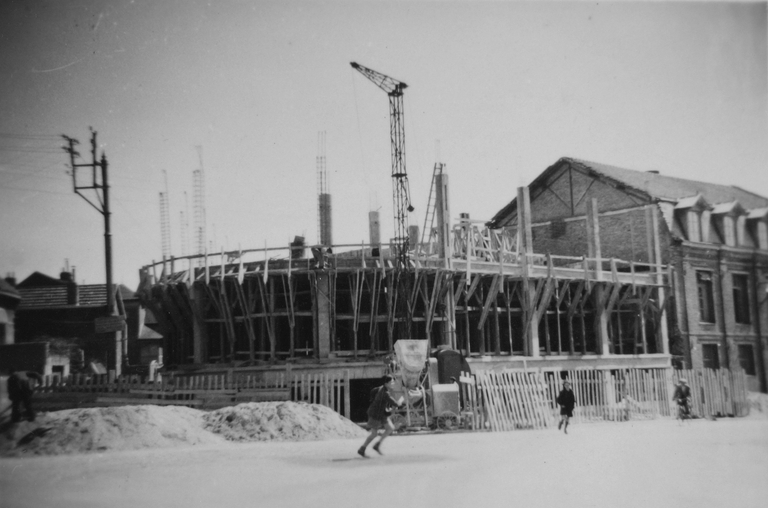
point(361, 312)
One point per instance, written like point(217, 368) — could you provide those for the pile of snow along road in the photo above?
point(147, 426)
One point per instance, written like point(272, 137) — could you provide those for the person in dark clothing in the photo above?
point(682, 396)
point(20, 389)
point(379, 410)
point(567, 402)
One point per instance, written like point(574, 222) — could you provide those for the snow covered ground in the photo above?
point(655, 463)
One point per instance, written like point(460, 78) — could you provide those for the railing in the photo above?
point(471, 243)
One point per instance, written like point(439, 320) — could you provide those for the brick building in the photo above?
point(62, 312)
point(713, 237)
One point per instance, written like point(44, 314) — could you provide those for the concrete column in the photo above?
point(445, 252)
point(374, 231)
point(324, 317)
point(595, 252)
point(664, 332)
point(526, 247)
point(199, 330)
point(443, 210)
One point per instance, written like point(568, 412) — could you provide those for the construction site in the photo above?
point(452, 285)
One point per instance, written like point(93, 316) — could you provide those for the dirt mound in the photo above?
point(283, 421)
point(100, 429)
point(146, 426)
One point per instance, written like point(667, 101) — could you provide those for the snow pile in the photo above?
point(758, 405)
point(106, 428)
point(147, 426)
point(282, 421)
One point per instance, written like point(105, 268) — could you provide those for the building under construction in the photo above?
point(483, 292)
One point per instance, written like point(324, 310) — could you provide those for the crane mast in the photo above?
point(400, 188)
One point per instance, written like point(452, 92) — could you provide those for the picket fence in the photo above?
point(526, 399)
point(205, 391)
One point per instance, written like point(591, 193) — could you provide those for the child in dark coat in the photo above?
point(378, 414)
point(567, 402)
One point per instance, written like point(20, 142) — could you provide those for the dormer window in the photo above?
point(757, 227)
point(729, 231)
point(693, 231)
point(742, 238)
point(689, 213)
point(725, 216)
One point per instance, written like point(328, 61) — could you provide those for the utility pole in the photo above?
point(100, 203)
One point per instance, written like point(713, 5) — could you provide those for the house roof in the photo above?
point(651, 184)
point(7, 289)
point(758, 213)
point(40, 279)
point(671, 188)
point(51, 296)
point(89, 295)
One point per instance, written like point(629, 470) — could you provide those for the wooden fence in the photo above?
point(518, 399)
point(204, 391)
point(716, 392)
point(327, 389)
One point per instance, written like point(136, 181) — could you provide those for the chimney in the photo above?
point(653, 171)
point(10, 278)
point(73, 294)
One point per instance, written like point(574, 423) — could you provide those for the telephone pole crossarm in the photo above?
point(102, 205)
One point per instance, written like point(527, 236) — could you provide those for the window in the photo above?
point(741, 231)
point(694, 226)
point(741, 298)
point(706, 299)
point(747, 359)
point(711, 356)
point(729, 231)
point(762, 235)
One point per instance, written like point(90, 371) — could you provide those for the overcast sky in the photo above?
point(504, 89)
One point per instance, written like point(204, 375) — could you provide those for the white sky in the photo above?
point(506, 87)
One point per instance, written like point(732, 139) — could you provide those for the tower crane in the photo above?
point(400, 188)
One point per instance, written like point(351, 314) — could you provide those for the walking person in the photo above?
point(378, 414)
point(682, 396)
point(567, 402)
point(20, 391)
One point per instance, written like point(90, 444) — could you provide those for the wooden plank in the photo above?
point(127, 401)
point(517, 408)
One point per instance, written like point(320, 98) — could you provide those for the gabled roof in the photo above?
point(650, 185)
point(758, 213)
point(89, 295)
point(38, 279)
point(696, 201)
point(726, 208)
point(671, 188)
point(51, 296)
